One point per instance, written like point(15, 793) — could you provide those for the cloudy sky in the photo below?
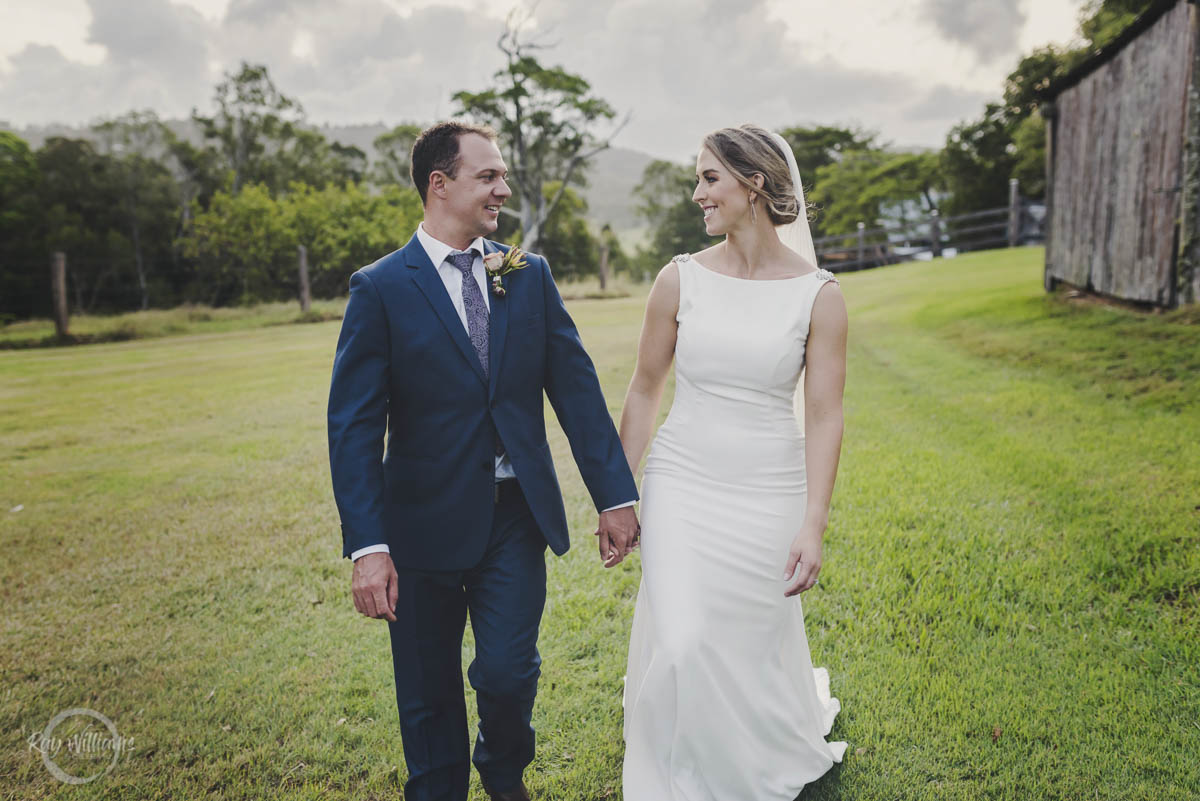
point(907, 68)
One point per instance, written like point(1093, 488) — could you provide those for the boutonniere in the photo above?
point(499, 263)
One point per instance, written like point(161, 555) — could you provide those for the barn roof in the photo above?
point(1106, 54)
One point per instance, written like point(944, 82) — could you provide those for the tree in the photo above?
point(612, 255)
point(197, 176)
point(307, 157)
point(24, 289)
point(822, 145)
point(243, 248)
point(845, 191)
point(1034, 72)
point(80, 210)
point(262, 136)
point(137, 145)
point(345, 227)
point(1029, 167)
point(675, 221)
point(547, 120)
point(1009, 140)
point(977, 162)
point(394, 151)
point(1101, 21)
point(251, 115)
point(566, 241)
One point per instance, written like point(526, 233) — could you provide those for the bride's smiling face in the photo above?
point(722, 199)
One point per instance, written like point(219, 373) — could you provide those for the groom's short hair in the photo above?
point(436, 150)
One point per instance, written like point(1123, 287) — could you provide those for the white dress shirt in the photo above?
point(452, 278)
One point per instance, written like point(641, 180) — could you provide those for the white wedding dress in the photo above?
point(721, 700)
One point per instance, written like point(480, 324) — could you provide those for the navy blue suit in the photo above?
point(405, 365)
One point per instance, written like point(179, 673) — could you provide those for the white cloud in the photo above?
point(155, 56)
point(682, 67)
point(989, 28)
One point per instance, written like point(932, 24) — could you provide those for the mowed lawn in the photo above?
point(1009, 609)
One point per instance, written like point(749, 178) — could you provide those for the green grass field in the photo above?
point(1009, 609)
point(87, 329)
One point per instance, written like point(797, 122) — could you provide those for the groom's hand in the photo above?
point(375, 586)
point(618, 532)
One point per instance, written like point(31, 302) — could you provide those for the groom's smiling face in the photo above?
point(475, 195)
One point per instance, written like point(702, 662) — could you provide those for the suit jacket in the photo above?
point(405, 365)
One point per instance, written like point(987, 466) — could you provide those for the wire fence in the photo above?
point(107, 286)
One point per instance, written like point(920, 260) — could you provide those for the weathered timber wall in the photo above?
point(1118, 139)
point(1187, 280)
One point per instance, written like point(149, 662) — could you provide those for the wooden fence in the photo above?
point(1006, 226)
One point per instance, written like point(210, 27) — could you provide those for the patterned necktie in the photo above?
point(476, 306)
point(477, 314)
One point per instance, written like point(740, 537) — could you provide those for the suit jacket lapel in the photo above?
point(498, 328)
point(430, 284)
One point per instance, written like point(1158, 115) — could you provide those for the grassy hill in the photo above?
point(1009, 606)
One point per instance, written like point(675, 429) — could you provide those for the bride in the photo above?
point(722, 702)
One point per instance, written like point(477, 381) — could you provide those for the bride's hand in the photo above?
point(804, 562)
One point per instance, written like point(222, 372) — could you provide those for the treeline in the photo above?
point(150, 217)
point(147, 217)
point(850, 175)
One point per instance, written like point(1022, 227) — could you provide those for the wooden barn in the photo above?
point(1123, 164)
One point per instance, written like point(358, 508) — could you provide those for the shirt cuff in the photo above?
point(618, 506)
point(381, 548)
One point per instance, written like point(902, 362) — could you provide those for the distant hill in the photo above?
point(612, 175)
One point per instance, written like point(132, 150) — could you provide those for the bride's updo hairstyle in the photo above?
point(749, 149)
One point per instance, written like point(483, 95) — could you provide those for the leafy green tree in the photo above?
point(197, 176)
point(251, 117)
point(345, 227)
point(977, 162)
point(822, 145)
point(1009, 139)
point(547, 119)
point(80, 210)
point(610, 247)
point(307, 157)
point(1033, 73)
point(394, 151)
point(243, 248)
point(875, 187)
point(24, 285)
point(1101, 21)
point(137, 145)
point(675, 222)
point(261, 136)
point(566, 241)
point(1029, 141)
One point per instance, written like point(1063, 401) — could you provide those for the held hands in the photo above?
point(804, 561)
point(618, 532)
point(375, 586)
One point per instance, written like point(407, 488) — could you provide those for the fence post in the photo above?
point(935, 234)
point(305, 292)
point(604, 248)
point(862, 243)
point(58, 285)
point(1014, 212)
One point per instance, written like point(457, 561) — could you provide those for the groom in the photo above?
point(454, 518)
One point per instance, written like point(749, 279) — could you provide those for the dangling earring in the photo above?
point(753, 211)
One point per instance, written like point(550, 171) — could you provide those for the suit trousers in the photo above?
point(504, 594)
